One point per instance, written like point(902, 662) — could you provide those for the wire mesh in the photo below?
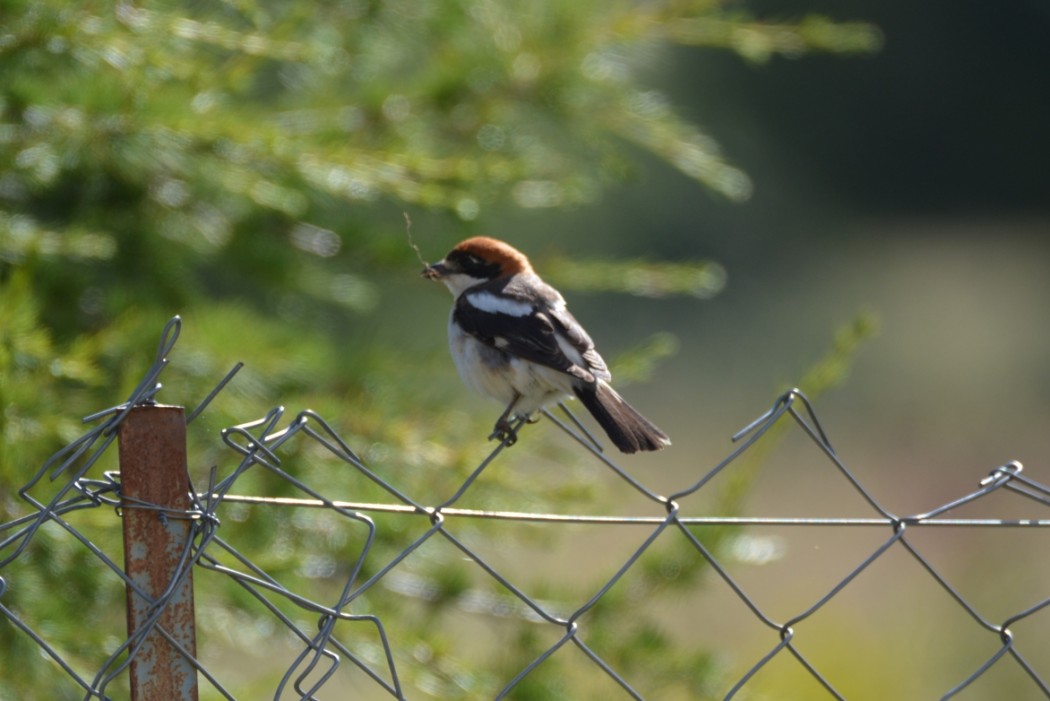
point(342, 629)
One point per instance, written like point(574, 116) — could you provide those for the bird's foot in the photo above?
point(504, 433)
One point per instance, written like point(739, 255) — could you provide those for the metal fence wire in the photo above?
point(324, 649)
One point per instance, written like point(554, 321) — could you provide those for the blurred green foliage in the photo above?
point(243, 164)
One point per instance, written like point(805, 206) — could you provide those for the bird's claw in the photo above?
point(504, 433)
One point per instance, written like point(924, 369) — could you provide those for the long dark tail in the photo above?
point(628, 430)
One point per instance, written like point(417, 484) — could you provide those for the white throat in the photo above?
point(458, 283)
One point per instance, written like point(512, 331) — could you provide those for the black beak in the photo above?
point(435, 271)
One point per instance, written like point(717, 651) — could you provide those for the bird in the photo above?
point(513, 339)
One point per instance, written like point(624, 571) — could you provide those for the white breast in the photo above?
point(493, 373)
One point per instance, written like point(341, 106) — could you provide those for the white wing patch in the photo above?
point(494, 304)
point(570, 351)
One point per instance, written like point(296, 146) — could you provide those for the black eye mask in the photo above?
point(473, 266)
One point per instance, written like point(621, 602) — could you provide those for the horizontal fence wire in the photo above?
point(343, 634)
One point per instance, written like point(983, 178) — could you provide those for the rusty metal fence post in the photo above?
point(155, 494)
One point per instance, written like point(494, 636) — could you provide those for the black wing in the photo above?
point(526, 321)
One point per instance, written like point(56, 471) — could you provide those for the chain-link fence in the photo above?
point(172, 532)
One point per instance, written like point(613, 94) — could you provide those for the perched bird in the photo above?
point(513, 339)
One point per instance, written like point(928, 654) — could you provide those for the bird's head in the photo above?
point(477, 260)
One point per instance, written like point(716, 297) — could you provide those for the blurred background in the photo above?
point(735, 197)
